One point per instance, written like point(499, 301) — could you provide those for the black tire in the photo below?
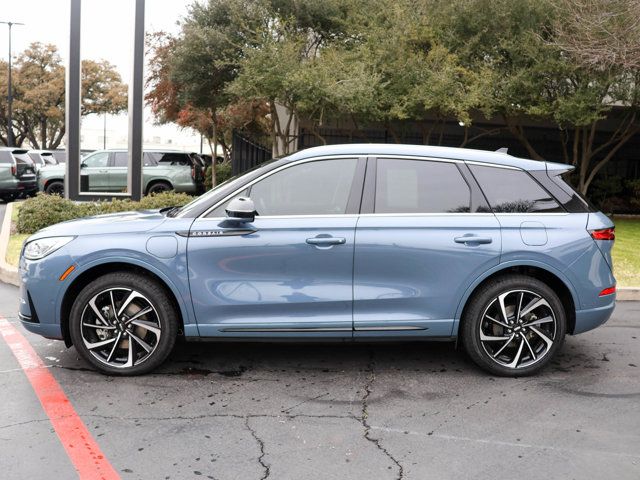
point(485, 330)
point(159, 187)
point(126, 351)
point(55, 187)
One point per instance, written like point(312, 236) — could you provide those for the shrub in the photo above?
point(44, 210)
point(223, 173)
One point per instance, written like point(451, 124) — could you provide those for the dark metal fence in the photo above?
point(246, 153)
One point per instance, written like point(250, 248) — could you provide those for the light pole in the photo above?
point(10, 92)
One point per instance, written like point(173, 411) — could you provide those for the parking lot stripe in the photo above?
point(82, 449)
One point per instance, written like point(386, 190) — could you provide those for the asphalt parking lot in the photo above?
point(255, 411)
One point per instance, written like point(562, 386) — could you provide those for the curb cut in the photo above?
point(8, 273)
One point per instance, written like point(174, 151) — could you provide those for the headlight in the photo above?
point(37, 249)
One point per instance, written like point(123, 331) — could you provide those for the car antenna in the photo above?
point(502, 150)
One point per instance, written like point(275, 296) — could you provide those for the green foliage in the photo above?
point(45, 210)
point(223, 173)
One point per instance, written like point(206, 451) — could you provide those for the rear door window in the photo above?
point(513, 191)
point(120, 159)
point(420, 186)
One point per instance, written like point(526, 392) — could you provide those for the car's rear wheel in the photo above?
point(159, 187)
point(513, 326)
point(123, 324)
point(55, 187)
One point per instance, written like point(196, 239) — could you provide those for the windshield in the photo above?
point(222, 189)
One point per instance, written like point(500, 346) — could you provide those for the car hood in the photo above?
point(130, 222)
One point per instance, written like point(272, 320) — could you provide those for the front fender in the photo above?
point(174, 276)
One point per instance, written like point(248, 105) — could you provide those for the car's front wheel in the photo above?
point(513, 326)
point(123, 324)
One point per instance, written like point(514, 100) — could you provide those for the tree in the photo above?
point(189, 73)
point(39, 95)
point(528, 74)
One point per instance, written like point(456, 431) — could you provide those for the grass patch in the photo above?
point(13, 249)
point(626, 252)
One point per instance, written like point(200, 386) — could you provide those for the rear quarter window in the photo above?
point(513, 191)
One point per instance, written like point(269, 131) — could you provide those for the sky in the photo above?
point(107, 33)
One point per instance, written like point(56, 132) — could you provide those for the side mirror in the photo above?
point(241, 209)
point(83, 165)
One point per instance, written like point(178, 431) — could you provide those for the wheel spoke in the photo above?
point(101, 327)
point(514, 364)
point(132, 296)
point(503, 308)
point(113, 305)
point(130, 355)
point(533, 304)
point(148, 326)
point(141, 342)
point(533, 354)
point(102, 343)
point(546, 339)
point(141, 312)
point(490, 338)
point(503, 346)
point(497, 321)
point(115, 345)
point(538, 321)
point(96, 310)
point(519, 306)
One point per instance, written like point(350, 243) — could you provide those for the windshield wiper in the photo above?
point(170, 211)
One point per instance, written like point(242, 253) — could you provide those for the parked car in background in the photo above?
point(163, 170)
point(17, 174)
point(343, 242)
point(41, 158)
point(60, 156)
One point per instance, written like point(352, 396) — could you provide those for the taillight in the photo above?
point(608, 291)
point(193, 172)
point(14, 170)
point(603, 234)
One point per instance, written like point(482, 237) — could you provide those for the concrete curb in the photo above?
point(8, 273)
point(624, 294)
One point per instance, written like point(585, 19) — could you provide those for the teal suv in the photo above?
point(106, 171)
point(17, 174)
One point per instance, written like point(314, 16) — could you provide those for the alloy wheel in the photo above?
point(518, 329)
point(120, 327)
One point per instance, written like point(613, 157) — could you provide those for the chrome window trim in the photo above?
point(203, 216)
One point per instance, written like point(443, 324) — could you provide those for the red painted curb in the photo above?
point(82, 449)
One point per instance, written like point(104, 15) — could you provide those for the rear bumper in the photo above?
point(20, 187)
point(593, 317)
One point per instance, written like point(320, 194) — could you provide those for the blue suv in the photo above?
point(344, 242)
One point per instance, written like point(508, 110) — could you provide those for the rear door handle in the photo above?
point(326, 241)
point(472, 240)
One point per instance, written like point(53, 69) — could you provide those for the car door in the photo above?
point(288, 272)
point(118, 171)
point(96, 166)
point(425, 234)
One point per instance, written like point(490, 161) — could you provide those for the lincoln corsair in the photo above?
point(345, 242)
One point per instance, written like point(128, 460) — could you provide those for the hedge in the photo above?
point(44, 210)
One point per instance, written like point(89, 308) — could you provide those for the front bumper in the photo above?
point(39, 294)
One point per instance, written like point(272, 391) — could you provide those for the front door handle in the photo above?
point(326, 241)
point(472, 240)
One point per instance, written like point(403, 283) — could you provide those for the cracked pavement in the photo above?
point(338, 411)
